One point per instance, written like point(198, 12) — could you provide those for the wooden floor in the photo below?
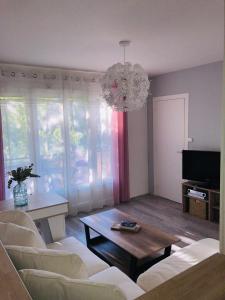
point(162, 213)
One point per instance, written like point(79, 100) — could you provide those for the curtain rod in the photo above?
point(49, 68)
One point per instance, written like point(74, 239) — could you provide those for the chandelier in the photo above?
point(125, 86)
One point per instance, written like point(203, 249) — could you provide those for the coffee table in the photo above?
point(131, 252)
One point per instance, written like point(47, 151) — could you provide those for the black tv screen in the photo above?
point(202, 166)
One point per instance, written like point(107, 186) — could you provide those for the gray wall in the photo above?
point(204, 85)
point(138, 152)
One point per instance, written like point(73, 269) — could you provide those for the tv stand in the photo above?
point(207, 208)
point(208, 185)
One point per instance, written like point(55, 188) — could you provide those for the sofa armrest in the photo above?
point(178, 262)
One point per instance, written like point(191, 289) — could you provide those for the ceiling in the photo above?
point(166, 35)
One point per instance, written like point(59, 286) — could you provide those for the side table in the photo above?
point(47, 207)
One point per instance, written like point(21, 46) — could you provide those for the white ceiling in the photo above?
point(166, 35)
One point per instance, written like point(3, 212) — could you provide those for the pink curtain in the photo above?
point(2, 174)
point(121, 161)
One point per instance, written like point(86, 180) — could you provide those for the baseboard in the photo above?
point(140, 196)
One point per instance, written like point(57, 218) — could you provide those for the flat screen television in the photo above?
point(201, 166)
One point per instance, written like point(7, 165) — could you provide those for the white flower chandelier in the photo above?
point(125, 87)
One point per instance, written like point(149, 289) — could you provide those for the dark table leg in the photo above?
point(87, 234)
point(167, 251)
point(133, 268)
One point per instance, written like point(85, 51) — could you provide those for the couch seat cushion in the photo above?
point(177, 263)
point(115, 276)
point(62, 262)
point(22, 219)
point(93, 263)
point(12, 234)
point(43, 285)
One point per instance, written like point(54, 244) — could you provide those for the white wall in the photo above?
point(138, 152)
point(204, 85)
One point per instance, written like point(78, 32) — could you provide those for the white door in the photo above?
point(170, 137)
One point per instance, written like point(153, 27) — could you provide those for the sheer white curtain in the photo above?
point(57, 120)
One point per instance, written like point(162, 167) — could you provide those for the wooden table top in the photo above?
point(11, 286)
point(204, 281)
point(148, 241)
point(35, 202)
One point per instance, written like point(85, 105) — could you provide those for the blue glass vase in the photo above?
point(20, 194)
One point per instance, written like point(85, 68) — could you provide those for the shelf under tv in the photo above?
point(212, 201)
point(195, 197)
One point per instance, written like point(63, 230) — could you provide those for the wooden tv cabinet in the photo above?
point(211, 202)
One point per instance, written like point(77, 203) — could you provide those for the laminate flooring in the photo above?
point(159, 212)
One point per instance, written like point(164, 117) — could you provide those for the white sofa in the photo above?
point(178, 262)
point(98, 271)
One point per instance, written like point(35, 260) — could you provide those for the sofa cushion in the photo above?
point(114, 276)
point(23, 219)
point(12, 234)
point(43, 285)
point(177, 263)
point(62, 262)
point(93, 263)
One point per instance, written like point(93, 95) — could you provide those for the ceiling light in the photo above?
point(125, 86)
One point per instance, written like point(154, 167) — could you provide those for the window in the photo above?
point(69, 140)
